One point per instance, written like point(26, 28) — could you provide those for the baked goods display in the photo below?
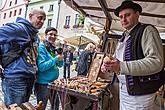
point(81, 84)
point(90, 86)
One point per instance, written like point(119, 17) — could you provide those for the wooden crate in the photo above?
point(27, 106)
point(14, 107)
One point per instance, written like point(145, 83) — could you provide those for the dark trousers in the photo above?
point(66, 70)
point(43, 93)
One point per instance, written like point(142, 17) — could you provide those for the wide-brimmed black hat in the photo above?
point(128, 4)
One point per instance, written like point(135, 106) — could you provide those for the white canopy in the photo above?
point(98, 10)
point(82, 39)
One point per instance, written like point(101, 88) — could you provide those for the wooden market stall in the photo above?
point(87, 92)
point(101, 11)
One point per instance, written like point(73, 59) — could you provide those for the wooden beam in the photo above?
point(91, 8)
point(89, 15)
point(152, 15)
point(78, 7)
point(116, 36)
point(112, 10)
point(104, 7)
point(156, 1)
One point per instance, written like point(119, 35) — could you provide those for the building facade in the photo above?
point(68, 22)
point(51, 9)
point(60, 16)
point(11, 9)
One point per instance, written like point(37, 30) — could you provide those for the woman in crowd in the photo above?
point(48, 63)
point(85, 59)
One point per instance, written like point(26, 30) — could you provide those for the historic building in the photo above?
point(69, 23)
point(51, 9)
point(10, 9)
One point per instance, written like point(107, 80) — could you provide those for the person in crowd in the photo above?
point(85, 59)
point(139, 60)
point(49, 62)
point(18, 55)
point(68, 58)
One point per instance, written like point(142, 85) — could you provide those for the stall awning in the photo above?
point(100, 10)
point(82, 39)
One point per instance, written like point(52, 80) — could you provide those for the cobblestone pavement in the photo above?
point(33, 100)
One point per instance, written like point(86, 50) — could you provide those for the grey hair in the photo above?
point(34, 11)
point(90, 46)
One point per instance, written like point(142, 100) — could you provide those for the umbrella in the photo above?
point(82, 39)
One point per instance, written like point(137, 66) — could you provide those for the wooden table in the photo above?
point(99, 101)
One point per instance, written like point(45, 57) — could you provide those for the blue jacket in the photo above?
point(21, 32)
point(47, 66)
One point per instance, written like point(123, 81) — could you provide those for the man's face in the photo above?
point(128, 18)
point(69, 48)
point(37, 19)
point(51, 37)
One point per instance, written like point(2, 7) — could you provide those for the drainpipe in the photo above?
point(58, 14)
point(26, 7)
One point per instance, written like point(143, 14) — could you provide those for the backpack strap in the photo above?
point(13, 54)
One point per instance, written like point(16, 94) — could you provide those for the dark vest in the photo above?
point(139, 85)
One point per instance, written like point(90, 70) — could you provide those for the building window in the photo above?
point(67, 22)
point(4, 16)
point(15, 1)
point(10, 14)
point(10, 3)
point(41, 7)
point(51, 8)
point(76, 21)
point(20, 10)
point(49, 22)
point(15, 11)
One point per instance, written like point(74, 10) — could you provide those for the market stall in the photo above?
point(90, 92)
point(102, 11)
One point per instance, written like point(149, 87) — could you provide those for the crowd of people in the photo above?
point(28, 63)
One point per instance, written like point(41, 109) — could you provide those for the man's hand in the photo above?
point(110, 64)
point(115, 66)
point(104, 66)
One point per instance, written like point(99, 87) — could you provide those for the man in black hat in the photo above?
point(139, 60)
